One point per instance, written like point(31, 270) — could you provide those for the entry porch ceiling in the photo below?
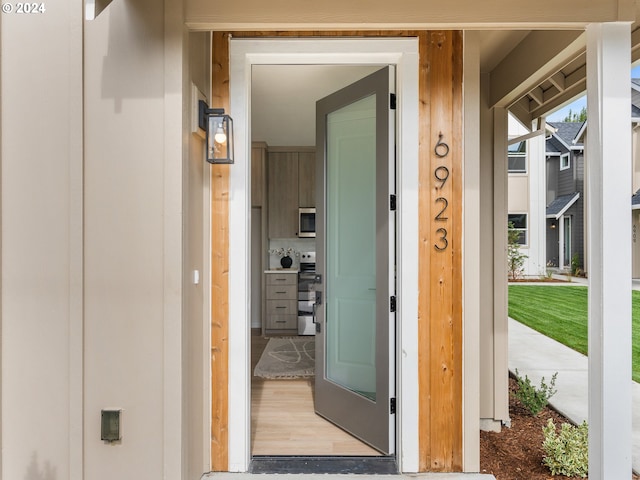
point(544, 70)
point(531, 72)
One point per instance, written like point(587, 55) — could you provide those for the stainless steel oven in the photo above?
point(306, 222)
point(306, 293)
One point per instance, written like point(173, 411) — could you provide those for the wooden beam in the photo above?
point(220, 271)
point(557, 79)
point(538, 95)
point(536, 58)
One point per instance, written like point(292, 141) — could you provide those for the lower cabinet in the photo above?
point(281, 302)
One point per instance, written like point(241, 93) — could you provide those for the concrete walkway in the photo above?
point(537, 356)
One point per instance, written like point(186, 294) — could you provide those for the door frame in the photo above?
point(403, 53)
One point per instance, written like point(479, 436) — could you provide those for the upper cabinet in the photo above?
point(307, 179)
point(258, 166)
point(290, 185)
point(282, 191)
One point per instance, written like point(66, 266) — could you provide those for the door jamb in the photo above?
point(402, 52)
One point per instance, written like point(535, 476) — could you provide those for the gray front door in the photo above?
point(355, 354)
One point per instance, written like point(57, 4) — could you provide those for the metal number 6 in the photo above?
point(441, 149)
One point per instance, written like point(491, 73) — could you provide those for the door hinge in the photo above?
point(392, 304)
point(392, 101)
point(392, 405)
point(392, 203)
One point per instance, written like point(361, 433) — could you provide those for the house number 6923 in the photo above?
point(441, 175)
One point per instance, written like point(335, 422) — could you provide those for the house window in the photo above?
point(565, 161)
point(518, 157)
point(518, 221)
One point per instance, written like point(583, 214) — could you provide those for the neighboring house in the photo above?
point(127, 268)
point(566, 194)
point(635, 176)
point(565, 181)
point(526, 181)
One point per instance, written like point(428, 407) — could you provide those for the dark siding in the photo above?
point(577, 230)
point(553, 167)
point(552, 242)
point(566, 181)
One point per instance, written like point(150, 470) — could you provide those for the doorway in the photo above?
point(283, 404)
point(244, 55)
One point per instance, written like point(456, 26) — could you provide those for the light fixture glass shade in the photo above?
point(220, 139)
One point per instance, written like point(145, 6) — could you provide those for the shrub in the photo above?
point(515, 258)
point(535, 399)
point(567, 452)
point(575, 264)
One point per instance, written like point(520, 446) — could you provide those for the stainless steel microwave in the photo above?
point(306, 222)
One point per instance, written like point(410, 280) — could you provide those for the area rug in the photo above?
point(292, 357)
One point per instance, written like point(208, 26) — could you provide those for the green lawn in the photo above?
point(561, 313)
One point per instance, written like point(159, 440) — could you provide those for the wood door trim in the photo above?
point(440, 282)
point(440, 251)
point(220, 271)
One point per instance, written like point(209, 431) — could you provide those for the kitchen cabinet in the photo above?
point(281, 302)
point(306, 179)
point(290, 185)
point(282, 188)
point(258, 165)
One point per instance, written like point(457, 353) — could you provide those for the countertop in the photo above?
point(281, 270)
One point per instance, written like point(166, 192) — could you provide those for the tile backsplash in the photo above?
point(297, 244)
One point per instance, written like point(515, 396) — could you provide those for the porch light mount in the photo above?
point(219, 133)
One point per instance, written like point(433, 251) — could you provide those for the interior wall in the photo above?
point(41, 243)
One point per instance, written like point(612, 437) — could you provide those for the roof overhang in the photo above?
point(566, 205)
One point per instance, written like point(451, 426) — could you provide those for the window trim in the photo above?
point(526, 163)
point(568, 158)
point(524, 230)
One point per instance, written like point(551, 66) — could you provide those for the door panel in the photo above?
point(354, 243)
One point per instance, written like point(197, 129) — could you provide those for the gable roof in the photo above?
point(555, 146)
point(567, 133)
point(561, 204)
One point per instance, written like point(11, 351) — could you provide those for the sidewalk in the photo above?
point(537, 356)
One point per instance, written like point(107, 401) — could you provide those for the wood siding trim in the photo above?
point(440, 274)
point(440, 255)
point(220, 271)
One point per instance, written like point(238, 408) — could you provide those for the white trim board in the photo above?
point(402, 52)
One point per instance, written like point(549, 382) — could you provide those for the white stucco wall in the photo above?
point(196, 324)
point(518, 193)
point(133, 234)
point(41, 263)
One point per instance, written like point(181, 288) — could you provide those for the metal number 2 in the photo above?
point(439, 216)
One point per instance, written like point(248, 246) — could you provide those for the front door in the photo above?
point(355, 354)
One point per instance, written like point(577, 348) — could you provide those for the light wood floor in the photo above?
point(283, 421)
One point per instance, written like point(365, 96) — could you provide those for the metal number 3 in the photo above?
point(442, 242)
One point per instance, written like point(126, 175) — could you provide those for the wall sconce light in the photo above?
point(219, 128)
point(552, 226)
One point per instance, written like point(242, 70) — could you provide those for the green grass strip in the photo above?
point(560, 312)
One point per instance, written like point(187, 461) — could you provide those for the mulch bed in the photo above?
point(516, 453)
